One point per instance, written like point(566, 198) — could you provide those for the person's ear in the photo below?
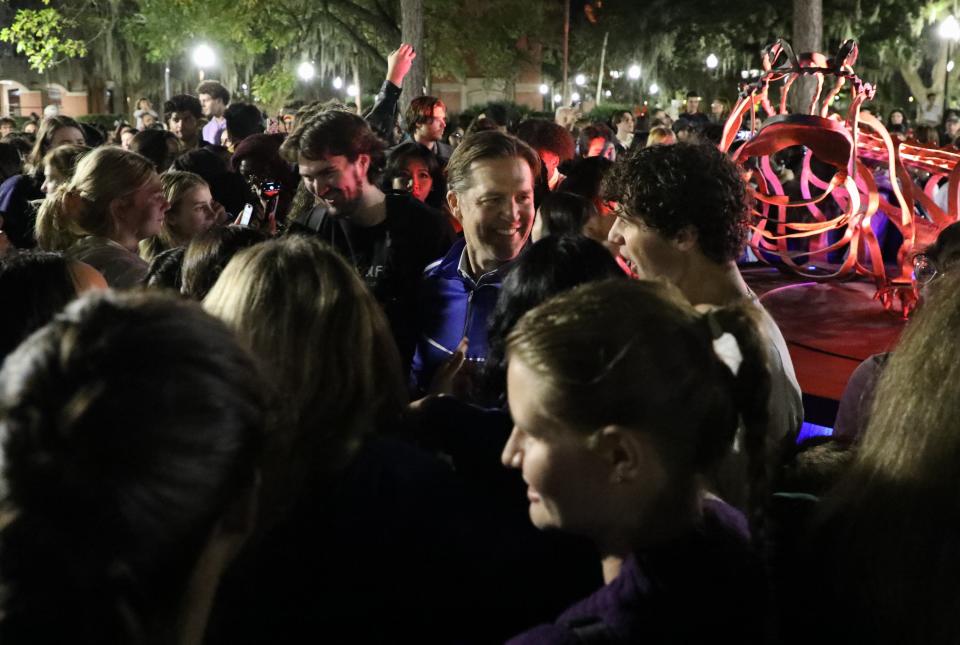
point(453, 201)
point(240, 517)
point(686, 239)
point(119, 208)
point(631, 455)
point(363, 164)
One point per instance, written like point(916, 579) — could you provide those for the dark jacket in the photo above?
point(382, 117)
point(707, 586)
point(452, 306)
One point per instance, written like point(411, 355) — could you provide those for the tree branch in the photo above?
point(369, 17)
point(361, 42)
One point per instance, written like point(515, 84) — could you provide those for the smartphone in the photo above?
point(246, 215)
point(402, 184)
point(269, 189)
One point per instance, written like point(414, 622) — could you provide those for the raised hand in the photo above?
point(399, 62)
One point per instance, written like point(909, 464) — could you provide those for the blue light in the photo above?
point(810, 430)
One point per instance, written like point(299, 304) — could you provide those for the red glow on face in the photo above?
point(626, 267)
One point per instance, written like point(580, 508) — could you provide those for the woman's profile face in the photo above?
point(145, 208)
point(51, 179)
point(567, 480)
point(193, 214)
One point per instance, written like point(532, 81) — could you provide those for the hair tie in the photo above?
point(725, 344)
point(73, 202)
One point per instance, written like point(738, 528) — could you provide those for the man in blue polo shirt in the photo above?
point(490, 178)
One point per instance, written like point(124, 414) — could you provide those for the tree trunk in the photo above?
point(807, 37)
point(938, 74)
point(358, 99)
point(411, 31)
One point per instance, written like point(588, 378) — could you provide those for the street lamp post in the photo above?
point(950, 31)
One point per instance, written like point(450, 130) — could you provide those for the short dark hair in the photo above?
point(182, 103)
point(618, 116)
point(243, 120)
point(489, 144)
point(585, 177)
point(215, 89)
point(670, 188)
point(34, 286)
point(334, 133)
point(563, 213)
point(6, 120)
point(165, 270)
point(541, 134)
point(153, 144)
point(551, 266)
point(591, 132)
point(420, 111)
point(209, 253)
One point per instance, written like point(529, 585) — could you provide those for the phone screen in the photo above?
point(246, 215)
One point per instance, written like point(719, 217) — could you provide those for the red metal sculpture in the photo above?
point(855, 148)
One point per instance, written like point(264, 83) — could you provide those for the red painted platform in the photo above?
point(829, 327)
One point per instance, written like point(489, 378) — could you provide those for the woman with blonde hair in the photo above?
point(331, 325)
point(661, 135)
point(192, 211)
point(343, 504)
point(114, 200)
point(59, 165)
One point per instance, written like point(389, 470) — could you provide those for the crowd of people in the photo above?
point(386, 378)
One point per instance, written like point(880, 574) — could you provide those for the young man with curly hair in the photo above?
point(683, 218)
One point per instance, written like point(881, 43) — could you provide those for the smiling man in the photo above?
point(490, 177)
point(683, 218)
point(389, 239)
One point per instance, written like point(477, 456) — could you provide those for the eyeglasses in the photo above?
point(924, 269)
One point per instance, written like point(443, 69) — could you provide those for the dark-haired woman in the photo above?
point(412, 168)
point(562, 213)
point(126, 499)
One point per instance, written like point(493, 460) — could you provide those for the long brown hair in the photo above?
point(325, 346)
point(897, 508)
point(41, 146)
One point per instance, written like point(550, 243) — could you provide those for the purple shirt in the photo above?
point(213, 131)
point(704, 587)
